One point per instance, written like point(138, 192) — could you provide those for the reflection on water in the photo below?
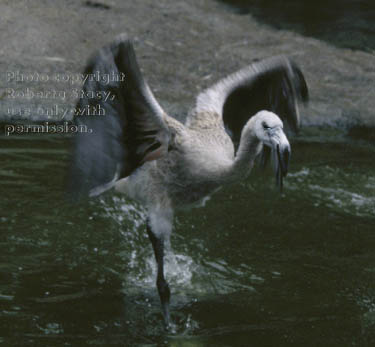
point(253, 266)
point(345, 23)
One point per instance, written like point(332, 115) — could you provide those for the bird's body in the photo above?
point(198, 162)
point(151, 157)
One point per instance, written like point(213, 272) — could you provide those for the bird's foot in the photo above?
point(170, 327)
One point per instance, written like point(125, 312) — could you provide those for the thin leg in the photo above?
point(162, 285)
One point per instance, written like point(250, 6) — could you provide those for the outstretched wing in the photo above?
point(126, 122)
point(273, 84)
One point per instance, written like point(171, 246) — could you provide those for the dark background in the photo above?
point(345, 23)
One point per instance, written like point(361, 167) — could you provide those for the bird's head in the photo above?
point(268, 128)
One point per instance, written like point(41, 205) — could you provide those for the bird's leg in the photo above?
point(157, 241)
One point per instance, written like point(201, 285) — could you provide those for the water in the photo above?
point(344, 23)
point(252, 268)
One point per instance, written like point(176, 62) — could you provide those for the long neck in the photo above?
point(250, 147)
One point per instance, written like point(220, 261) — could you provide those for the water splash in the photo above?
point(345, 200)
point(351, 192)
point(137, 253)
point(188, 270)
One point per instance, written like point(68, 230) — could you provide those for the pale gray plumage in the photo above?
point(153, 158)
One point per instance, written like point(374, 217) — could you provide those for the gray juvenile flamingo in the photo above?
point(151, 157)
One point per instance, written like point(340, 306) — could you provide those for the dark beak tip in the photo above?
point(283, 155)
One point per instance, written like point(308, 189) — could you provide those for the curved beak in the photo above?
point(280, 155)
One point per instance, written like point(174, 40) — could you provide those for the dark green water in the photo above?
point(252, 268)
point(344, 23)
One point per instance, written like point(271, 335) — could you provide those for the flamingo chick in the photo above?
point(152, 157)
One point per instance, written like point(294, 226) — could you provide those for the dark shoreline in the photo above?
point(345, 24)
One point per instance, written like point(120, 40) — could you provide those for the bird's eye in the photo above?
point(265, 126)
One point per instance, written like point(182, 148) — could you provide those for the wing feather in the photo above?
point(274, 84)
point(131, 129)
